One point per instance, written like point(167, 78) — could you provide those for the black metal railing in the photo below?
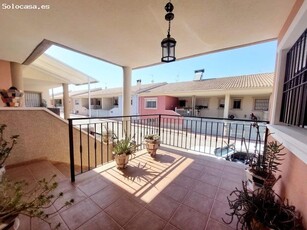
point(91, 139)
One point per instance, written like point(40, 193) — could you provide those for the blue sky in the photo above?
point(258, 58)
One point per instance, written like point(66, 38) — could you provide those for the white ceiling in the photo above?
point(47, 69)
point(129, 32)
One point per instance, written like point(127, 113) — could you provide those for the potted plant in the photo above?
point(262, 168)
point(262, 209)
point(17, 198)
point(152, 142)
point(5, 148)
point(122, 149)
point(11, 97)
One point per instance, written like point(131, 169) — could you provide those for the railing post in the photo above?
point(160, 125)
point(71, 150)
point(265, 140)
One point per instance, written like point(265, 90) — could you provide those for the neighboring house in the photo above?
point(46, 73)
point(229, 97)
point(75, 105)
point(108, 102)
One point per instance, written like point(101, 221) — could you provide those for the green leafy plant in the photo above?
point(262, 209)
point(266, 165)
point(126, 146)
point(18, 198)
point(6, 146)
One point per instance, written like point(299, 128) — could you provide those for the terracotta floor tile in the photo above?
point(184, 181)
point(219, 211)
point(36, 223)
point(79, 213)
point(145, 220)
point(206, 189)
point(148, 194)
point(163, 206)
point(123, 210)
point(170, 227)
point(222, 195)
point(212, 171)
point(107, 196)
point(91, 186)
point(234, 170)
point(187, 218)
point(75, 194)
point(42, 225)
point(100, 222)
point(196, 166)
point(175, 191)
point(193, 173)
point(228, 184)
point(199, 202)
point(64, 186)
point(210, 179)
point(234, 176)
point(216, 164)
point(214, 225)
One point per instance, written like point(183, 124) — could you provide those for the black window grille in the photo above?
point(237, 104)
point(294, 101)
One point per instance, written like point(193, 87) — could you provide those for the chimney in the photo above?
point(198, 74)
point(138, 83)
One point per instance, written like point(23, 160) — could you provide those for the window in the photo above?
point(294, 101)
point(182, 103)
point(236, 104)
point(33, 99)
point(262, 104)
point(221, 103)
point(151, 103)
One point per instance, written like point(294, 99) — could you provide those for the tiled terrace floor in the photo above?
point(176, 190)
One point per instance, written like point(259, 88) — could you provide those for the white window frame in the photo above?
point(151, 99)
point(261, 101)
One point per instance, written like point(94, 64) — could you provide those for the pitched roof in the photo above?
point(136, 89)
point(253, 81)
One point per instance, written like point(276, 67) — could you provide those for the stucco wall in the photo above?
point(5, 76)
point(293, 184)
point(43, 136)
point(171, 102)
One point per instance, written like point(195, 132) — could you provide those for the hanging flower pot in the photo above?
point(11, 97)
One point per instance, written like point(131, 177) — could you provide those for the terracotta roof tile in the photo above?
point(263, 80)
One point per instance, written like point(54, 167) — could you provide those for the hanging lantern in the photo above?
point(168, 44)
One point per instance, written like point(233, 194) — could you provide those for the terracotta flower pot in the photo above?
point(152, 147)
point(255, 181)
point(121, 160)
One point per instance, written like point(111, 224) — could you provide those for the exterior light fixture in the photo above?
point(168, 44)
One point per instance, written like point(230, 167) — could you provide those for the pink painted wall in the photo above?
point(293, 184)
point(164, 105)
point(171, 102)
point(5, 75)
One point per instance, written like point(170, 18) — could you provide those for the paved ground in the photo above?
point(176, 190)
